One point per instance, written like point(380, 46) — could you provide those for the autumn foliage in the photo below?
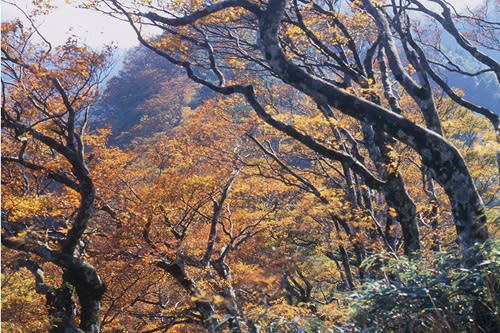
point(258, 167)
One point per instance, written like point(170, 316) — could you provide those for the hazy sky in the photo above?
point(93, 28)
point(96, 29)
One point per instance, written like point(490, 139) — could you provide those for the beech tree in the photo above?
point(51, 195)
point(186, 234)
point(338, 54)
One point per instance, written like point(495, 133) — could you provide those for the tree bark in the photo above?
point(205, 308)
point(90, 288)
point(440, 156)
point(61, 308)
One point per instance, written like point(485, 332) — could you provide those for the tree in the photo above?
point(331, 54)
point(177, 229)
point(304, 238)
point(50, 193)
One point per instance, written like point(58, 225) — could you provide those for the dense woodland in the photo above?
point(259, 166)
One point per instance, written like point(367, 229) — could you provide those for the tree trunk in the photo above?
point(441, 157)
point(394, 192)
point(90, 288)
point(204, 307)
point(229, 295)
point(61, 309)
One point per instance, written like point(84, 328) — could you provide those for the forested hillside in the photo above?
point(147, 96)
point(258, 166)
point(165, 94)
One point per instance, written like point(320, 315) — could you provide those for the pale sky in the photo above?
point(93, 28)
point(96, 29)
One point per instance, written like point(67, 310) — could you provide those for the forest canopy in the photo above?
point(256, 166)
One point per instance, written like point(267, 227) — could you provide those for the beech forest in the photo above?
point(252, 166)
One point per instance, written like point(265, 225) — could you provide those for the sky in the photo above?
point(93, 28)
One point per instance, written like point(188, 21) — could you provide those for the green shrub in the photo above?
point(436, 295)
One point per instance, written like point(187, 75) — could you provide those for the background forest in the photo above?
point(258, 166)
